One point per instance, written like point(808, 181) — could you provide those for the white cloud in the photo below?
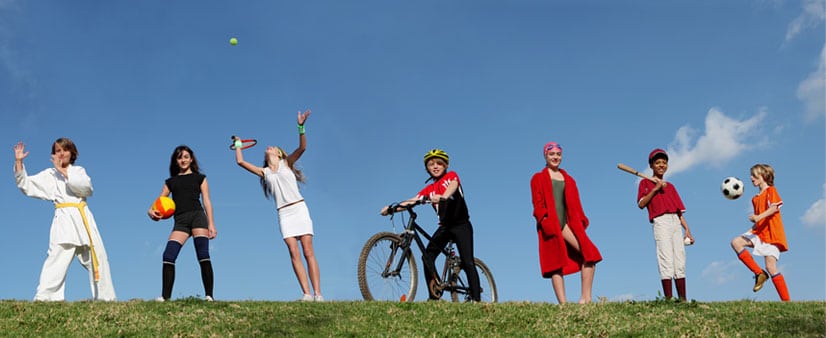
point(814, 12)
point(815, 216)
point(720, 273)
point(812, 91)
point(724, 138)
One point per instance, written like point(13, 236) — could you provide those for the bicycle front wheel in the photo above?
point(383, 272)
point(487, 285)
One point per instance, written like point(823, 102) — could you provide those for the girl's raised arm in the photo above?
point(302, 139)
point(239, 158)
point(20, 153)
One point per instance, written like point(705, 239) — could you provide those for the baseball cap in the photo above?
point(655, 153)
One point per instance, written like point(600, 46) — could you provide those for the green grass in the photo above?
point(195, 318)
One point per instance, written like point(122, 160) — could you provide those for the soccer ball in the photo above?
point(732, 188)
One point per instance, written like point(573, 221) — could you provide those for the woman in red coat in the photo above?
point(564, 248)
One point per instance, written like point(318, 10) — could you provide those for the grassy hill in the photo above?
point(196, 318)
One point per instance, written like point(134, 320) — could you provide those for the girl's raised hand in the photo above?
point(302, 117)
point(58, 163)
point(20, 151)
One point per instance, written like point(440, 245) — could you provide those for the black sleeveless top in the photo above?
point(186, 192)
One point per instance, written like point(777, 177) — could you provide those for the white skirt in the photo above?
point(295, 220)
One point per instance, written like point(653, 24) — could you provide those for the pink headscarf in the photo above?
point(551, 146)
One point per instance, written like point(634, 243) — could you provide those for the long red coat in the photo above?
point(554, 253)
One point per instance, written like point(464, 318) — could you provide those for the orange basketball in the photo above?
point(164, 205)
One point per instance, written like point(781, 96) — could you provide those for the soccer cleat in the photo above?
point(160, 300)
point(209, 299)
point(307, 298)
point(318, 298)
point(759, 279)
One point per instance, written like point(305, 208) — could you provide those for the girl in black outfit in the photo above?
point(187, 186)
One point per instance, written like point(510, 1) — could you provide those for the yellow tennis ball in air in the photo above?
point(233, 41)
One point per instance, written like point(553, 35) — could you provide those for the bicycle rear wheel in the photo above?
point(487, 285)
point(377, 277)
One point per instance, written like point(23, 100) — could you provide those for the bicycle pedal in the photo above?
point(435, 289)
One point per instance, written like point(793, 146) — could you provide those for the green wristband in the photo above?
point(300, 129)
point(238, 144)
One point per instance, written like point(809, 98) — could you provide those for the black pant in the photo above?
point(462, 235)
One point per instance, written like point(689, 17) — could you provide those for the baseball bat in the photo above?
point(633, 171)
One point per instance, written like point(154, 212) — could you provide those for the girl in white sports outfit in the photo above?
point(279, 179)
point(74, 232)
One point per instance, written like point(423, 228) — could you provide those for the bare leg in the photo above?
point(312, 264)
point(298, 265)
point(771, 265)
point(739, 243)
point(179, 236)
point(587, 283)
point(587, 269)
point(559, 287)
point(570, 238)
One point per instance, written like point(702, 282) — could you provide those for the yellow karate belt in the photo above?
point(80, 206)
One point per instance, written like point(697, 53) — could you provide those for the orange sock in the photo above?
point(780, 285)
point(746, 258)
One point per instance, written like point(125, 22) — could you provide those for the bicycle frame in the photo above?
point(415, 232)
point(411, 231)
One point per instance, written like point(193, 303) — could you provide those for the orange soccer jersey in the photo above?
point(770, 229)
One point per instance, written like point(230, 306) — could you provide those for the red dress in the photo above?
point(554, 253)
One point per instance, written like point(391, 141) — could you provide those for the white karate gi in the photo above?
point(68, 237)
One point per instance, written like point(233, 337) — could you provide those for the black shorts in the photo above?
point(189, 220)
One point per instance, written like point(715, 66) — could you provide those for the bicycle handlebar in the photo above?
point(396, 207)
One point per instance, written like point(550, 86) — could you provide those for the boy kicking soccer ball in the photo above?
point(766, 236)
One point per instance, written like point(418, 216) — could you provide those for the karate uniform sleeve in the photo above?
point(79, 182)
point(41, 185)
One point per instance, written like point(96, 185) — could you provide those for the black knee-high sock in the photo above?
point(202, 252)
point(168, 280)
point(206, 276)
point(170, 254)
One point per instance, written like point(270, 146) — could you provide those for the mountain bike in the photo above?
point(387, 268)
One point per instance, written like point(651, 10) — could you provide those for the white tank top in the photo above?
point(282, 184)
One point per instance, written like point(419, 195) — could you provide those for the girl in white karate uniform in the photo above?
point(74, 232)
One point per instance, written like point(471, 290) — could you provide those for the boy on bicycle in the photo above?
point(454, 221)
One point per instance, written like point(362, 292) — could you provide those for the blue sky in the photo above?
point(720, 85)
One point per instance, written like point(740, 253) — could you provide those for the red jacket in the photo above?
point(554, 253)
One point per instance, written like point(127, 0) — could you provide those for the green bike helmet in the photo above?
point(436, 153)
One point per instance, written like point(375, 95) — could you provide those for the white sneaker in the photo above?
point(160, 300)
point(307, 298)
point(318, 298)
point(209, 299)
